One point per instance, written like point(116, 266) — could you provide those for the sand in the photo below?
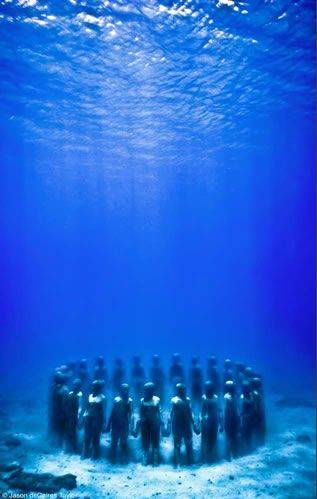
point(283, 468)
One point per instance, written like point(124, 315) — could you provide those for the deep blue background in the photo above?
point(158, 208)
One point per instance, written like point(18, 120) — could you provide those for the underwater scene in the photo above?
point(157, 249)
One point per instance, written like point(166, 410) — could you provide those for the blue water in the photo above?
point(157, 182)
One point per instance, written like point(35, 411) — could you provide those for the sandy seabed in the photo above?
point(283, 468)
